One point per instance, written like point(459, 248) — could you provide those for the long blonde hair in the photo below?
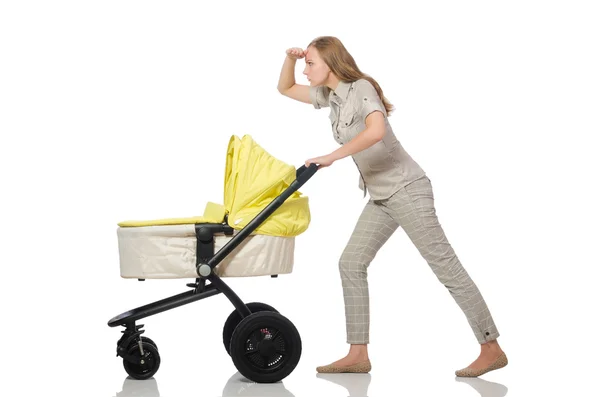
point(342, 64)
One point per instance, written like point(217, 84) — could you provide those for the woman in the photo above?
point(400, 195)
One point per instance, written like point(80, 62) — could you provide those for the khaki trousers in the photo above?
point(412, 208)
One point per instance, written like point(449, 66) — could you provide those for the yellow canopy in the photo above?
point(253, 179)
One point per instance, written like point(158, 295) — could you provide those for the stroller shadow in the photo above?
point(357, 385)
point(139, 388)
point(485, 388)
point(238, 385)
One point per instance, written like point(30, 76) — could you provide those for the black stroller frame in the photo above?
point(264, 345)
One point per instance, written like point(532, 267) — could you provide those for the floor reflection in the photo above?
point(238, 385)
point(139, 388)
point(485, 388)
point(357, 385)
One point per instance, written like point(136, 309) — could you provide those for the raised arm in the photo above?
point(287, 83)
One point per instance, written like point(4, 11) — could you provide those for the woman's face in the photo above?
point(316, 70)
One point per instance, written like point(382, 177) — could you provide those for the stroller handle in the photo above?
point(304, 173)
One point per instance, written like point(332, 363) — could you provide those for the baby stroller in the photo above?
point(251, 234)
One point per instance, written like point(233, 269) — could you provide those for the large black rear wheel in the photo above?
point(234, 319)
point(265, 347)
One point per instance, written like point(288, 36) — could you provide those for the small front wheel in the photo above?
point(146, 364)
point(144, 339)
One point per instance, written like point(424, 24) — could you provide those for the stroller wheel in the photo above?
point(234, 319)
point(146, 366)
point(265, 347)
point(144, 339)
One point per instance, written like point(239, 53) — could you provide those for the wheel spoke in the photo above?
point(275, 335)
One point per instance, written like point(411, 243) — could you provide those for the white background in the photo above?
point(116, 110)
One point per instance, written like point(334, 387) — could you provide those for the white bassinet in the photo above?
point(166, 248)
point(169, 251)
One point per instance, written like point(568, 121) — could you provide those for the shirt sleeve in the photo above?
point(319, 96)
point(369, 100)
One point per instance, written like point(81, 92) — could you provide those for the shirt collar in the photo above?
point(342, 90)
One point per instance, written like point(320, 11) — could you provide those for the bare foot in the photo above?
point(489, 354)
point(349, 360)
point(357, 354)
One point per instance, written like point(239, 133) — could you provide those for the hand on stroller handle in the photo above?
point(304, 173)
point(311, 168)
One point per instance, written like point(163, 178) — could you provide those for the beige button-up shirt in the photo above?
point(384, 167)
